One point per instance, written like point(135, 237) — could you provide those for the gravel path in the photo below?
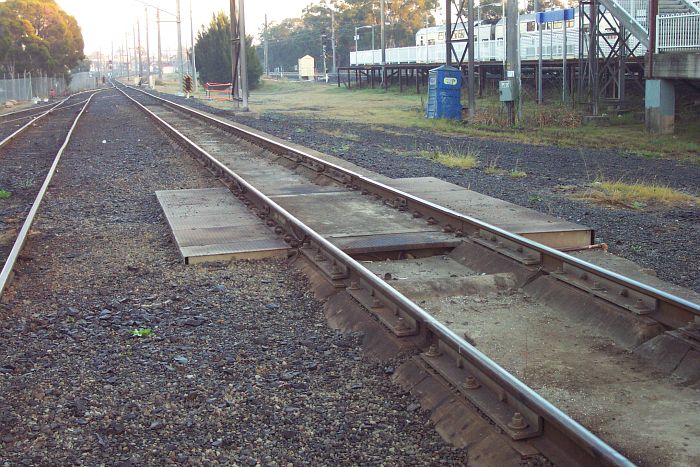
point(240, 368)
point(665, 240)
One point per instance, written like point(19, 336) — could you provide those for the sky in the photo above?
point(105, 22)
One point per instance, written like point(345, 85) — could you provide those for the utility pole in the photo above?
point(267, 70)
point(539, 59)
point(234, 51)
point(323, 53)
point(334, 70)
point(194, 58)
point(243, 58)
point(470, 65)
point(179, 43)
point(138, 28)
point(126, 44)
point(160, 62)
point(383, 41)
point(133, 32)
point(512, 56)
point(448, 34)
point(148, 54)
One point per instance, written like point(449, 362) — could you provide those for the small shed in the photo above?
point(306, 67)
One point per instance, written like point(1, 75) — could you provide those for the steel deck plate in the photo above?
point(210, 224)
point(527, 222)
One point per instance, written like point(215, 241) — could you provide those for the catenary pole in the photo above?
point(332, 38)
point(138, 29)
point(179, 44)
point(267, 69)
point(383, 43)
point(194, 57)
point(470, 65)
point(148, 54)
point(539, 59)
point(243, 59)
point(160, 56)
point(234, 51)
point(126, 44)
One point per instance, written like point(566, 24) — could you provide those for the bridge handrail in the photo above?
point(678, 32)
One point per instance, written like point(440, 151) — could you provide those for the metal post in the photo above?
point(179, 44)
point(243, 58)
point(234, 51)
point(539, 60)
point(448, 32)
point(334, 69)
point(470, 66)
point(135, 51)
point(148, 54)
point(512, 55)
point(160, 60)
point(593, 58)
point(267, 69)
point(194, 56)
point(126, 43)
point(383, 41)
point(564, 87)
point(356, 45)
point(138, 28)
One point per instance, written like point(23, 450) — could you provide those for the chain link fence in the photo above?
point(26, 87)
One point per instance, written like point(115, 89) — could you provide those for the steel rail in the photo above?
point(551, 259)
point(24, 231)
point(598, 451)
point(37, 117)
point(27, 110)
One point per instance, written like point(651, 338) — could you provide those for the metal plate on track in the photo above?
point(523, 221)
point(210, 224)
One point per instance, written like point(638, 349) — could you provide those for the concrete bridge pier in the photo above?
point(659, 105)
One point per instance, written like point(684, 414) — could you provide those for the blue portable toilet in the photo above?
point(444, 93)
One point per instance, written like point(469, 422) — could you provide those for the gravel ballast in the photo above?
point(666, 240)
point(240, 366)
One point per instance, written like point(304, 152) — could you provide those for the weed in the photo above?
point(493, 169)
point(515, 173)
point(636, 248)
point(637, 195)
point(5, 194)
point(299, 130)
point(453, 157)
point(26, 183)
point(142, 332)
point(533, 199)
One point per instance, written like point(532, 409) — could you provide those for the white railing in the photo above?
point(680, 32)
point(637, 9)
point(487, 50)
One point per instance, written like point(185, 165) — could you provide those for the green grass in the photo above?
point(142, 332)
point(5, 194)
point(637, 195)
point(394, 112)
point(517, 174)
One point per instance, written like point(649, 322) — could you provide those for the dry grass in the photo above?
point(515, 173)
point(637, 195)
point(453, 158)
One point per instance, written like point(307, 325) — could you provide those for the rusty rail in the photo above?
point(582, 447)
point(6, 272)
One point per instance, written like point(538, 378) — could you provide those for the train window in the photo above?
point(441, 36)
point(570, 23)
point(459, 35)
point(431, 41)
point(558, 24)
point(530, 26)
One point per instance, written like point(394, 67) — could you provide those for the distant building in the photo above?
point(306, 67)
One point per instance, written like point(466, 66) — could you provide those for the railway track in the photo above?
point(30, 156)
point(552, 291)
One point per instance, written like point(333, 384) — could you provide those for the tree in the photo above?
point(37, 35)
point(293, 38)
point(213, 50)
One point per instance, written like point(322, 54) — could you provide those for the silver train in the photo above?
point(489, 44)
